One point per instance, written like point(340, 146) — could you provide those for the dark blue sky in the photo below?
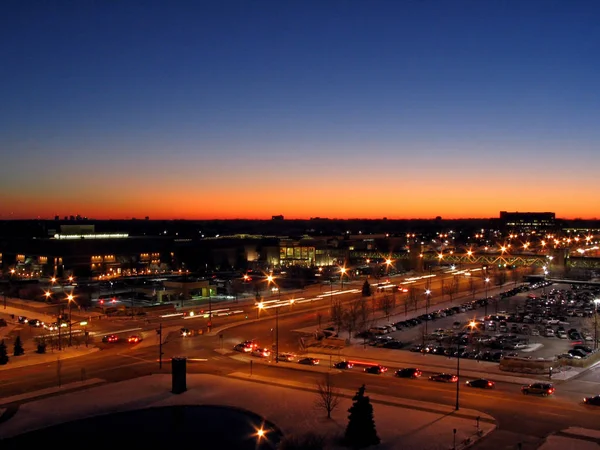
point(195, 92)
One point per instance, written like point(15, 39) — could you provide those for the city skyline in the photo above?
point(225, 110)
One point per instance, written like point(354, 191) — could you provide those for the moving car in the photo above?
point(343, 365)
point(289, 357)
point(134, 339)
point(409, 372)
point(111, 338)
point(377, 370)
point(481, 383)
point(444, 378)
point(185, 332)
point(261, 352)
point(543, 389)
point(35, 323)
point(594, 401)
point(309, 361)
point(245, 347)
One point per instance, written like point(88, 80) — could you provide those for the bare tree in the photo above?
point(350, 317)
point(451, 289)
point(337, 314)
point(386, 304)
point(328, 395)
point(414, 297)
point(362, 314)
point(472, 287)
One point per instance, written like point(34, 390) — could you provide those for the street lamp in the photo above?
point(259, 308)
point(487, 280)
point(427, 296)
point(270, 280)
point(70, 299)
point(596, 302)
point(342, 273)
point(457, 375)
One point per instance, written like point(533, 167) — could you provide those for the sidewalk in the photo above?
point(427, 428)
point(31, 358)
point(573, 438)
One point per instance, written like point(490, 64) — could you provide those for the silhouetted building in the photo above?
point(523, 222)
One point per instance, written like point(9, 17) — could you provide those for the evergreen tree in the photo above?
point(361, 432)
point(3, 353)
point(18, 350)
point(366, 289)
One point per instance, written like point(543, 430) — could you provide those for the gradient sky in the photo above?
point(339, 109)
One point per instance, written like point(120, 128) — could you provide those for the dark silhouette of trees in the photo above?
point(361, 432)
point(18, 349)
point(3, 353)
point(366, 289)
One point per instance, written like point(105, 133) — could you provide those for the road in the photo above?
point(523, 418)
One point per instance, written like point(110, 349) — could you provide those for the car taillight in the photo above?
point(490, 383)
point(550, 391)
point(585, 400)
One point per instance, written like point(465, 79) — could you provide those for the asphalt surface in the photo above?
point(520, 418)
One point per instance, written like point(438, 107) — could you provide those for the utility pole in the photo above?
point(70, 326)
point(160, 345)
point(59, 327)
point(277, 335)
point(458, 374)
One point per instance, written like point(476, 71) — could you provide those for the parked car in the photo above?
point(409, 372)
point(444, 378)
point(543, 389)
point(481, 383)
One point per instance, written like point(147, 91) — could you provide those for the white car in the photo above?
point(561, 334)
point(535, 332)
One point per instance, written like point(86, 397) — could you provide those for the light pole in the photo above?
point(596, 302)
point(457, 375)
point(259, 308)
point(342, 273)
point(70, 299)
point(277, 335)
point(487, 280)
point(427, 294)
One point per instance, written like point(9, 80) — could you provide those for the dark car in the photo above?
point(481, 383)
point(343, 365)
point(309, 361)
point(184, 332)
point(444, 378)
point(409, 372)
point(594, 401)
point(585, 348)
point(111, 338)
point(22, 319)
point(578, 352)
point(393, 344)
point(376, 369)
point(35, 323)
point(543, 389)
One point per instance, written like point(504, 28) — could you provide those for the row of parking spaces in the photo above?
point(547, 335)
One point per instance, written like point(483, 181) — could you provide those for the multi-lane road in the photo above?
point(519, 417)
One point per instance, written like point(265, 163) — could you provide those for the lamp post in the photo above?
point(596, 302)
point(427, 295)
point(259, 307)
point(457, 375)
point(277, 335)
point(270, 280)
point(342, 273)
point(487, 280)
point(70, 299)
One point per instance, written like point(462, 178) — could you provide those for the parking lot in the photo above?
point(540, 321)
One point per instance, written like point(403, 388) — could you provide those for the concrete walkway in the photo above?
point(573, 438)
point(292, 409)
